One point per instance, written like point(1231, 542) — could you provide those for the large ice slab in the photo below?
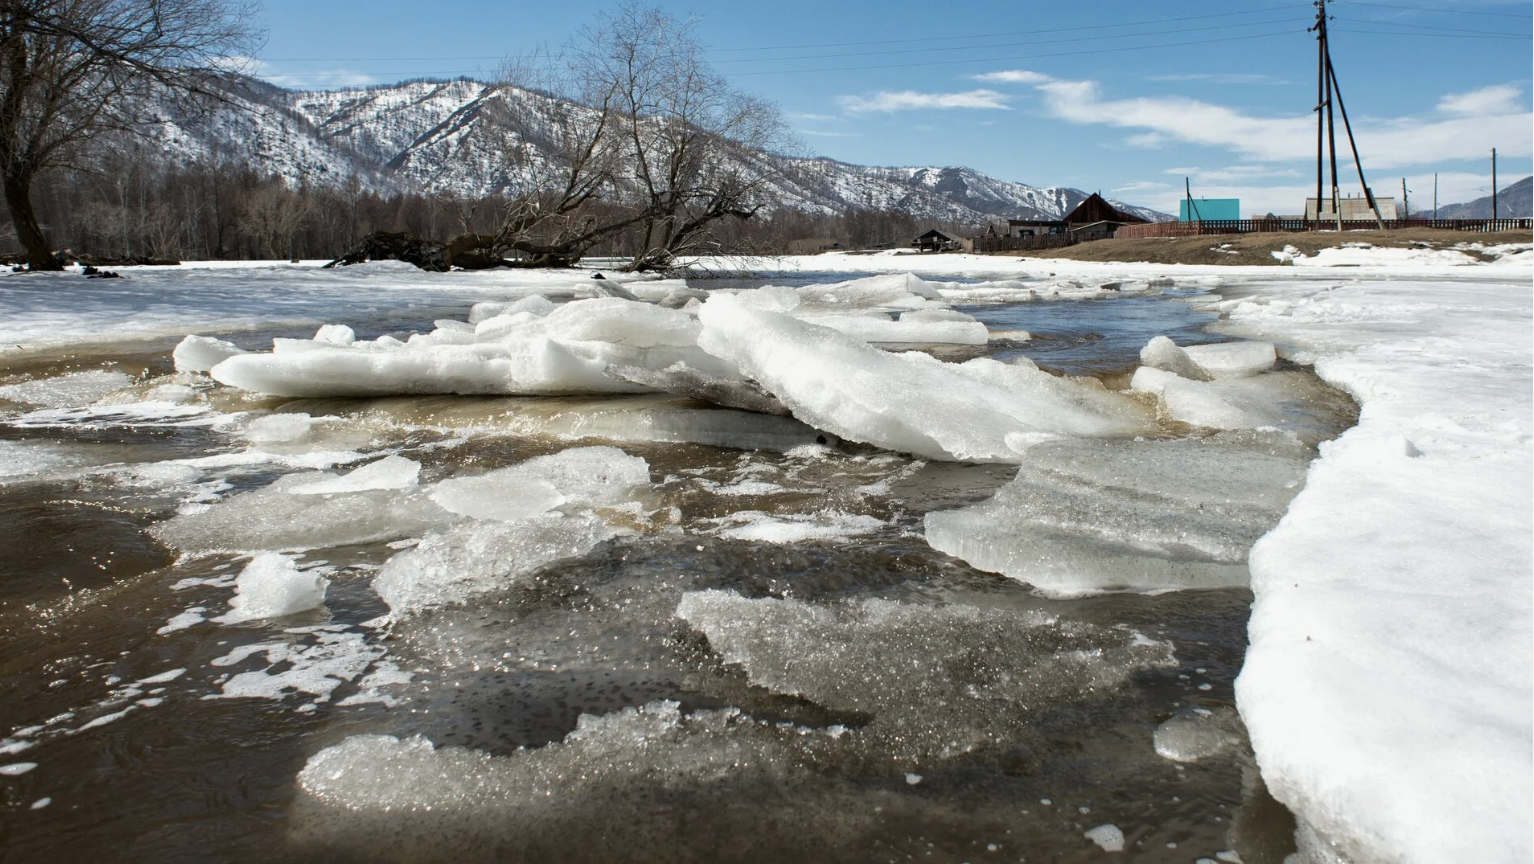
point(287, 516)
point(1088, 516)
point(909, 402)
point(526, 350)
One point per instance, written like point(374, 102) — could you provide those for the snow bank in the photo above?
point(1088, 516)
point(1387, 688)
point(908, 402)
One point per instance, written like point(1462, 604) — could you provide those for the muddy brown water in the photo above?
point(162, 771)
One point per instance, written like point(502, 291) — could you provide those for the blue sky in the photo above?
point(1127, 98)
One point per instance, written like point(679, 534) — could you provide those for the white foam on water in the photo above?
point(315, 669)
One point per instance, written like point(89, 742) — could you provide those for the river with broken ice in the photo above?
point(817, 567)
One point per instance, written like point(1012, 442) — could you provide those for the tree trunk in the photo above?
point(18, 197)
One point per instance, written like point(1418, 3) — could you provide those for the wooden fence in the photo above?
point(987, 245)
point(1255, 226)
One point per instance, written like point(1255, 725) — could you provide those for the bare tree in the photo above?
point(274, 214)
point(647, 139)
point(74, 69)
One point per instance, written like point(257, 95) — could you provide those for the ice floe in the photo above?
point(908, 402)
point(1087, 516)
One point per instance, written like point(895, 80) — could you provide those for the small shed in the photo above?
point(938, 240)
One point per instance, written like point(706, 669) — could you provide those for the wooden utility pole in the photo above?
point(1435, 194)
point(1328, 92)
point(1405, 206)
point(1493, 182)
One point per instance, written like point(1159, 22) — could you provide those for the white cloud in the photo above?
point(1388, 143)
point(817, 134)
point(817, 118)
point(910, 100)
point(318, 79)
point(1014, 76)
point(1221, 78)
point(1496, 99)
point(1137, 186)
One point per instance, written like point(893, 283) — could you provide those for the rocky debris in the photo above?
point(464, 252)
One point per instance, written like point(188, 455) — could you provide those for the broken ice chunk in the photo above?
point(1194, 733)
point(201, 353)
point(272, 586)
point(579, 476)
point(390, 472)
point(449, 567)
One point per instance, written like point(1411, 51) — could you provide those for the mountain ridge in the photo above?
point(452, 137)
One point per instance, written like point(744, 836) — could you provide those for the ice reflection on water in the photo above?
point(840, 759)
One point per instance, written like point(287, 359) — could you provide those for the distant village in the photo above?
point(1097, 219)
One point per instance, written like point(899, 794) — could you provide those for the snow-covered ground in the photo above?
point(1387, 689)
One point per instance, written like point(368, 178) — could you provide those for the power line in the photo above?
point(1523, 38)
point(965, 61)
point(1454, 11)
point(1100, 38)
point(1012, 57)
point(1018, 32)
point(1503, 34)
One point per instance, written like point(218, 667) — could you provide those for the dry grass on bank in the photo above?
point(1257, 249)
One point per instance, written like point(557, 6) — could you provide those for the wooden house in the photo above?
point(1096, 219)
point(1092, 219)
point(938, 240)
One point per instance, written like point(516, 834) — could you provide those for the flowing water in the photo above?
point(852, 696)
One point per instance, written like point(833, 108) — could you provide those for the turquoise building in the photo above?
point(1209, 208)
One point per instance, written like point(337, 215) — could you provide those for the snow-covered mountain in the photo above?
point(453, 136)
point(1515, 201)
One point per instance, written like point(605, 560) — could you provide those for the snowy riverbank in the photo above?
point(1387, 689)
